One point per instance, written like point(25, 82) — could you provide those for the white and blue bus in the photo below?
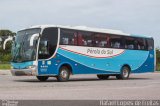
point(59, 51)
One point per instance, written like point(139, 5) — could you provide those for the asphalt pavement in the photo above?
point(80, 87)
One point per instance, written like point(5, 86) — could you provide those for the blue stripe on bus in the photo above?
point(80, 64)
point(133, 58)
point(139, 61)
point(22, 65)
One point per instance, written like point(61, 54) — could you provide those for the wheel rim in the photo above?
point(64, 73)
point(125, 73)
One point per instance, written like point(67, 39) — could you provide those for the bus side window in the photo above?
point(150, 44)
point(86, 39)
point(130, 43)
point(74, 40)
point(101, 40)
point(116, 42)
point(141, 45)
point(68, 37)
point(80, 39)
point(65, 41)
point(48, 43)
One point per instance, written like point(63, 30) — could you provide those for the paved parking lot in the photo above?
point(80, 87)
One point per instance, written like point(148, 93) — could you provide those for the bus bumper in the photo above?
point(24, 72)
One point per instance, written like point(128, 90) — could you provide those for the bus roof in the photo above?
point(84, 28)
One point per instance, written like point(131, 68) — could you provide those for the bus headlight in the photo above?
point(32, 67)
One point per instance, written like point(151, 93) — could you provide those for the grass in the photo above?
point(5, 66)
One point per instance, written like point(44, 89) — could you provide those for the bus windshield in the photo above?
point(21, 49)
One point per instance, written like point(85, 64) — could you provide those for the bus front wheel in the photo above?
point(42, 78)
point(103, 77)
point(64, 74)
point(125, 72)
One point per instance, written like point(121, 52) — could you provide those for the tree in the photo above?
point(158, 58)
point(6, 33)
point(5, 55)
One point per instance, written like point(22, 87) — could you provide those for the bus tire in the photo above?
point(125, 72)
point(42, 78)
point(64, 74)
point(103, 77)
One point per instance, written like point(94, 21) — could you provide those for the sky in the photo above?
point(140, 17)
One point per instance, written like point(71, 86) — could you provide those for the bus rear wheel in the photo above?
point(64, 74)
point(103, 77)
point(125, 72)
point(42, 78)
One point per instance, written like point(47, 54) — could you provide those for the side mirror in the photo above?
point(6, 40)
point(32, 39)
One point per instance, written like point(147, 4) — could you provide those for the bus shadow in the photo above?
point(79, 80)
point(110, 79)
point(139, 79)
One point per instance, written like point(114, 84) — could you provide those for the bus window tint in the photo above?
point(141, 45)
point(116, 42)
point(48, 43)
point(93, 39)
point(130, 43)
point(68, 37)
point(101, 40)
point(86, 39)
point(150, 44)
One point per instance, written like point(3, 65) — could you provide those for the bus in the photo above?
point(60, 51)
